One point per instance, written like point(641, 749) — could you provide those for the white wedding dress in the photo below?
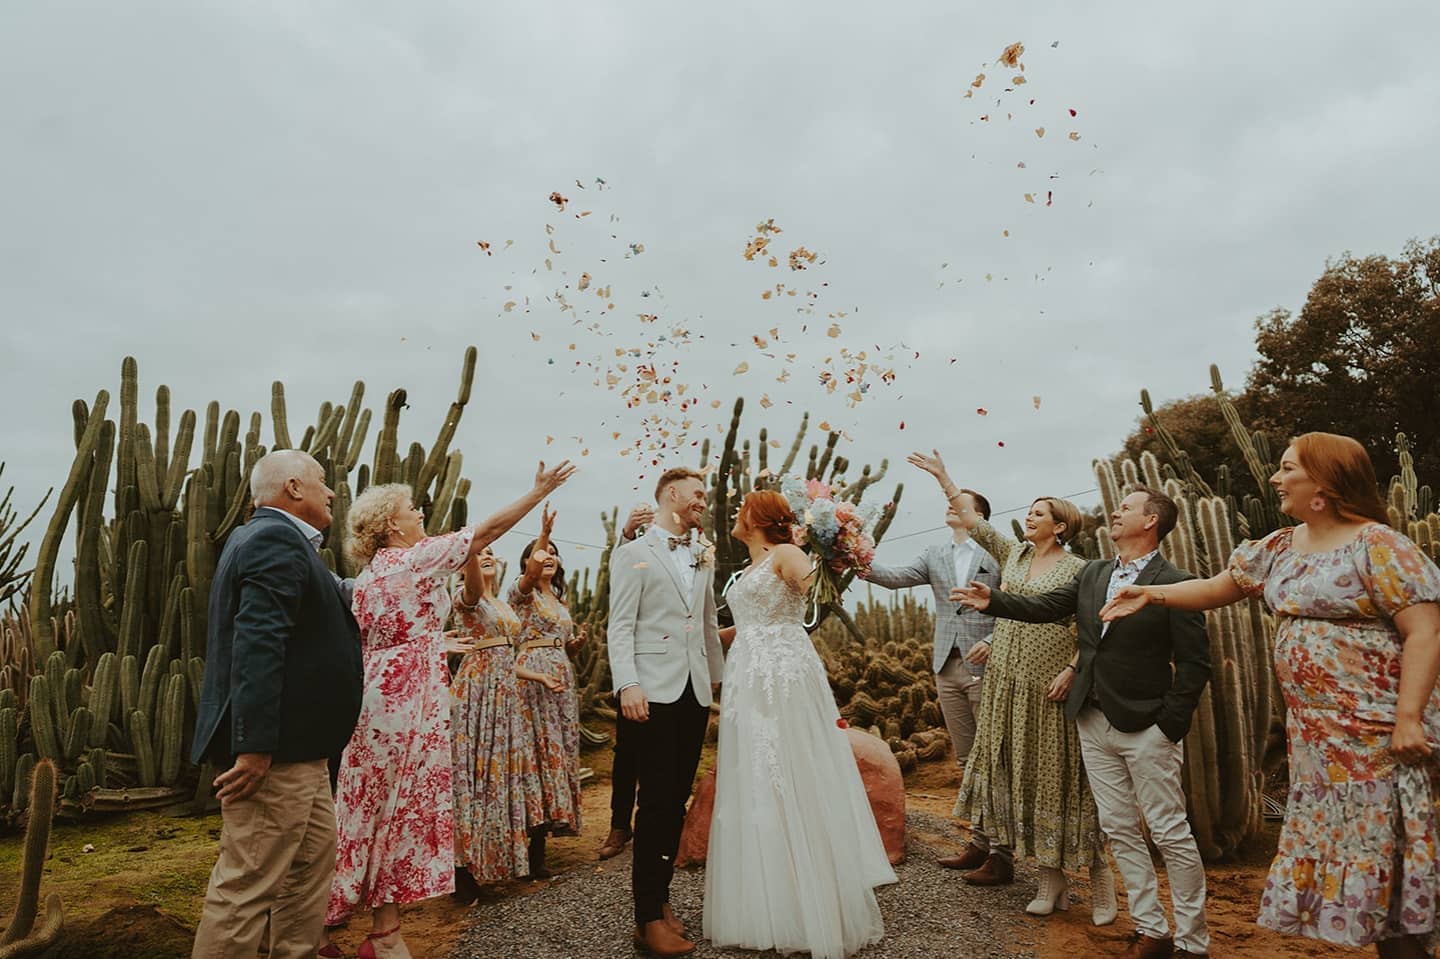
point(794, 852)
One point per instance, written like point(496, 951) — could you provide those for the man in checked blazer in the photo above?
point(665, 659)
point(958, 628)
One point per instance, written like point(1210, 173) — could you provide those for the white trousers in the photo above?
point(1134, 775)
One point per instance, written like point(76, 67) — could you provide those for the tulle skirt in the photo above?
point(794, 853)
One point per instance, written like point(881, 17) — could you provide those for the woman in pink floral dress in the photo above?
point(1357, 652)
point(547, 636)
point(497, 782)
point(393, 802)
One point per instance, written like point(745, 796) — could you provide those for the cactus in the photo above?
point(139, 727)
point(9, 749)
point(42, 718)
point(21, 938)
point(77, 736)
point(171, 726)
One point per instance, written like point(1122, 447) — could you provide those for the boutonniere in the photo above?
point(702, 552)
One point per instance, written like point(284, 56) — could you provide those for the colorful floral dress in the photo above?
point(497, 782)
point(554, 717)
point(393, 802)
point(1356, 861)
point(1025, 783)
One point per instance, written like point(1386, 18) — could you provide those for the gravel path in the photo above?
point(928, 913)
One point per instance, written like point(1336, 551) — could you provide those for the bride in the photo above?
point(794, 851)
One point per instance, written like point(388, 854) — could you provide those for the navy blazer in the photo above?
point(1127, 668)
point(283, 673)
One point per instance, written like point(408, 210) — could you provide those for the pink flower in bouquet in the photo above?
point(818, 490)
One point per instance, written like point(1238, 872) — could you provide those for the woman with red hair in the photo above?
point(795, 854)
point(1357, 652)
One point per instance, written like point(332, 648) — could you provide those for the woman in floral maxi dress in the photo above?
point(1357, 653)
point(1025, 782)
point(497, 780)
point(396, 840)
point(547, 636)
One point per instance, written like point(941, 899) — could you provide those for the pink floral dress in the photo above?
point(393, 801)
point(555, 717)
point(1356, 861)
point(497, 782)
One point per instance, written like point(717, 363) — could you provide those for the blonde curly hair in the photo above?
point(369, 517)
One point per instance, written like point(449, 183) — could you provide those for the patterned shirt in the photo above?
point(1124, 574)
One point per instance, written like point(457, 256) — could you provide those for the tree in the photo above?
point(1361, 358)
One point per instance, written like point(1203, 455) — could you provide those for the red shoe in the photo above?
point(384, 945)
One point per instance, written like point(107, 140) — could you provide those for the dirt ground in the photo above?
point(137, 892)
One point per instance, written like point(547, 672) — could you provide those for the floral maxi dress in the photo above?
point(1025, 783)
point(497, 782)
point(1356, 862)
point(393, 801)
point(545, 627)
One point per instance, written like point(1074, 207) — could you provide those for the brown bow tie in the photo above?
point(678, 542)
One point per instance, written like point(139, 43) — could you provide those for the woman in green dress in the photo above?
point(1025, 782)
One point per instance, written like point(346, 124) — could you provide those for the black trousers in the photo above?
point(622, 781)
point(666, 752)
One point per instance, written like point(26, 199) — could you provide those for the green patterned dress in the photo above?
point(1025, 783)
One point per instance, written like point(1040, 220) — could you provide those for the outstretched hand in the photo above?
point(577, 639)
point(1127, 602)
point(547, 481)
point(547, 521)
point(976, 595)
point(931, 464)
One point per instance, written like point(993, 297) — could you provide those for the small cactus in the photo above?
point(139, 727)
point(21, 938)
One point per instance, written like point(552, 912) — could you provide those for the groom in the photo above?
point(665, 657)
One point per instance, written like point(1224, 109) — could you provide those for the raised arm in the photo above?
point(471, 593)
point(499, 523)
point(534, 566)
point(1193, 594)
point(992, 541)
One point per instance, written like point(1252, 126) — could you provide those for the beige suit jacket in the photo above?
point(661, 635)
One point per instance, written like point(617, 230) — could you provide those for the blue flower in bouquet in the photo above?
point(820, 518)
point(792, 488)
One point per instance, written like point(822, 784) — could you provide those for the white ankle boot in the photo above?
point(1052, 894)
point(1102, 893)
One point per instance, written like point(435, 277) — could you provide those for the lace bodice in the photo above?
point(762, 598)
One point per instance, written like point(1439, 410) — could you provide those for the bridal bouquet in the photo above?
point(836, 530)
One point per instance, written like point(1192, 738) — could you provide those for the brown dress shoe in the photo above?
point(615, 843)
point(668, 914)
point(994, 871)
point(1148, 947)
point(658, 939)
point(971, 857)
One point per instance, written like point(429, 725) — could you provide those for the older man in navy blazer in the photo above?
point(281, 694)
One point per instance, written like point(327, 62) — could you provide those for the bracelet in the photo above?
point(1070, 666)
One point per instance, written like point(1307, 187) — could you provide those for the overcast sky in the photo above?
point(238, 193)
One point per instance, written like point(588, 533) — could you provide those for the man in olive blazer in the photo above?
point(1135, 686)
point(281, 694)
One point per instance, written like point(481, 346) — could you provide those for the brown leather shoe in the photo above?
point(615, 843)
point(672, 920)
point(971, 857)
point(1148, 947)
point(658, 939)
point(994, 871)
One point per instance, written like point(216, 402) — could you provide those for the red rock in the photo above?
point(884, 787)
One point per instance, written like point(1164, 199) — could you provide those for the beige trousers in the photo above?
point(958, 691)
point(277, 860)
point(1136, 776)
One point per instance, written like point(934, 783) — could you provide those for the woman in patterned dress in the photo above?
point(1025, 782)
point(548, 637)
point(497, 782)
point(393, 802)
point(1357, 653)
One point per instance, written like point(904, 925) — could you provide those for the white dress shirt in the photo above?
point(964, 556)
point(681, 556)
point(312, 535)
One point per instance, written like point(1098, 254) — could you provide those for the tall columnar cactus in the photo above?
point(21, 936)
